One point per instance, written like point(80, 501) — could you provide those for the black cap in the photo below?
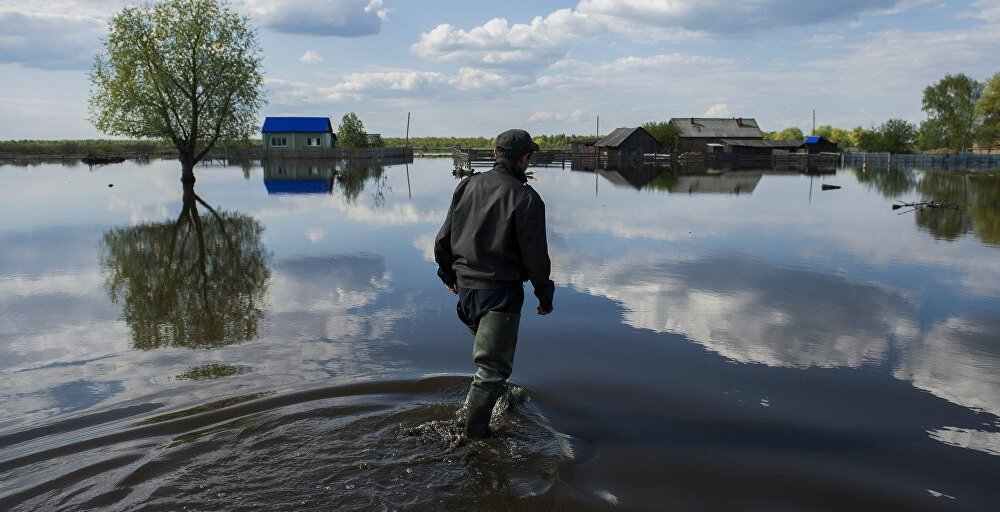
point(516, 142)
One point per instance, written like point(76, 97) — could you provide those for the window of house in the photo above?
point(313, 142)
point(279, 142)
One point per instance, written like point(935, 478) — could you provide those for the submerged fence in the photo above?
point(959, 162)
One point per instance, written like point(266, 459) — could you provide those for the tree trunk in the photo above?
point(187, 169)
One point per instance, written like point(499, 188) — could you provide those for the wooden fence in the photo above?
point(959, 162)
point(340, 153)
point(469, 158)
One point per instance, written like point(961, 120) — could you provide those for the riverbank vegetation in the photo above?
point(961, 112)
point(184, 71)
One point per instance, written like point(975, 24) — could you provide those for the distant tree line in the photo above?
point(960, 112)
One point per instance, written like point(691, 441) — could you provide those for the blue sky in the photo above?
point(476, 68)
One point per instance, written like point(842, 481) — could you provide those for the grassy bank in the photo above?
point(82, 148)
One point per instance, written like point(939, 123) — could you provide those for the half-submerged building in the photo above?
point(297, 136)
point(696, 133)
point(626, 146)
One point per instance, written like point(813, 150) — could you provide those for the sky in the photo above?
point(465, 67)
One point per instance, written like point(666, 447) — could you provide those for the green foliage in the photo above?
point(952, 103)
point(838, 135)
point(896, 136)
point(186, 71)
point(793, 133)
point(194, 283)
point(892, 136)
point(867, 140)
point(559, 141)
point(931, 136)
point(351, 133)
point(81, 148)
point(665, 133)
point(858, 135)
point(988, 110)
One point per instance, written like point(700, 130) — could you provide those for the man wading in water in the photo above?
point(493, 240)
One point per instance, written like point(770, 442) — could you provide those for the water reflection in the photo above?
point(325, 176)
point(976, 197)
point(746, 310)
point(736, 183)
point(891, 183)
point(197, 282)
point(661, 179)
point(833, 338)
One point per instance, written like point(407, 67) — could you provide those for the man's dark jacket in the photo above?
point(494, 235)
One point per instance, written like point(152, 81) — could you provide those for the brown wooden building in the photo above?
point(626, 146)
point(697, 132)
point(759, 147)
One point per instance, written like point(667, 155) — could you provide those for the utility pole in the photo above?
point(407, 129)
point(598, 125)
point(814, 122)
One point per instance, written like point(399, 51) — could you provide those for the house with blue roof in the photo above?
point(297, 135)
point(818, 144)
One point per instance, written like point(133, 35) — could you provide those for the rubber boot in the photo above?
point(493, 353)
point(479, 407)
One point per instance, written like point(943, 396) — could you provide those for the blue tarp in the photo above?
point(299, 186)
point(297, 125)
point(815, 139)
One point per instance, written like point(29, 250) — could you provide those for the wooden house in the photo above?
point(816, 144)
point(625, 147)
point(297, 136)
point(758, 148)
point(696, 133)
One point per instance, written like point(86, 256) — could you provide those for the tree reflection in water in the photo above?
point(977, 197)
point(356, 174)
point(197, 283)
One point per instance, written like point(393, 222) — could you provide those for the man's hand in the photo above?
point(453, 289)
point(544, 309)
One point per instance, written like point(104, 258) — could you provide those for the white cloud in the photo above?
point(561, 117)
point(545, 39)
point(725, 17)
point(395, 84)
point(48, 41)
point(346, 18)
point(311, 57)
point(986, 10)
point(719, 110)
point(497, 42)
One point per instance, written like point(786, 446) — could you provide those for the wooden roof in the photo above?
point(717, 128)
point(618, 136)
point(772, 144)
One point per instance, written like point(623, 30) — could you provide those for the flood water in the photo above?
point(735, 341)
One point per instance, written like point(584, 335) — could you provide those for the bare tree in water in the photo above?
point(194, 282)
point(187, 71)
